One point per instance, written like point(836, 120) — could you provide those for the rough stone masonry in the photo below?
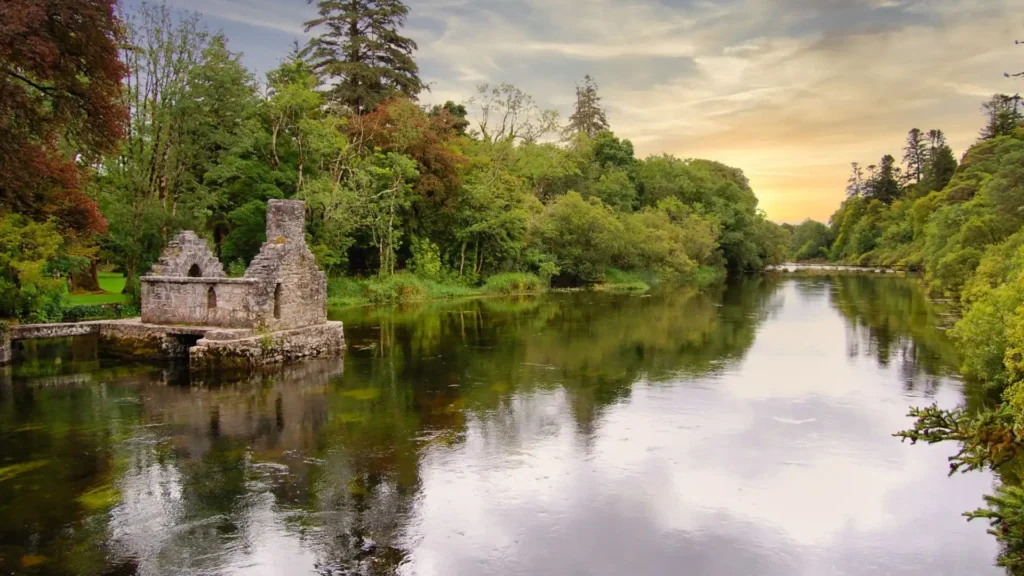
point(276, 312)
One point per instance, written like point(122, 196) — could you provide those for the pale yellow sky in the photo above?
point(791, 91)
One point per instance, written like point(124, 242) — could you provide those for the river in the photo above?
point(738, 431)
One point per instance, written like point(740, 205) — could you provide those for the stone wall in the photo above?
point(283, 288)
point(293, 289)
point(188, 255)
point(320, 341)
point(5, 344)
point(227, 302)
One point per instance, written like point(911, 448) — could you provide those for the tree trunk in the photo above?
point(87, 280)
point(462, 259)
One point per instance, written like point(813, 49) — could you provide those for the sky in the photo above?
point(791, 91)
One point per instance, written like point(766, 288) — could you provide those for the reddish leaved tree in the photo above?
point(399, 125)
point(60, 105)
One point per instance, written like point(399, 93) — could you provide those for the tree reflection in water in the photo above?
point(318, 466)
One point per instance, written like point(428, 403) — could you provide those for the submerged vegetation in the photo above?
point(452, 194)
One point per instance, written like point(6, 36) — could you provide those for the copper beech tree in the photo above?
point(60, 106)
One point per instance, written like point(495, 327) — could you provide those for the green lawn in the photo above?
point(112, 283)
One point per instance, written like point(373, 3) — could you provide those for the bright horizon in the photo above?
point(790, 92)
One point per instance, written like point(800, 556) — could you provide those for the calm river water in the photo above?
point(736, 432)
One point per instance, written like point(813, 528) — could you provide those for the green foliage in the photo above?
point(583, 236)
point(1004, 513)
point(426, 259)
point(82, 312)
point(361, 46)
point(32, 261)
point(810, 240)
point(514, 283)
point(399, 288)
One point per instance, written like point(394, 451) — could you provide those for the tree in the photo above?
point(588, 117)
point(941, 163)
point(810, 240)
point(884, 184)
point(508, 113)
point(457, 113)
point(1002, 115)
point(361, 48)
point(855, 185)
point(60, 87)
point(915, 155)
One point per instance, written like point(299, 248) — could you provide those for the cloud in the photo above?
point(791, 91)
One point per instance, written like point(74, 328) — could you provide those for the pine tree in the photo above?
point(1002, 115)
point(855, 185)
point(941, 164)
point(915, 155)
point(884, 183)
point(589, 116)
point(361, 48)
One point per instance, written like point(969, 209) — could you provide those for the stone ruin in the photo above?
point(282, 289)
point(276, 311)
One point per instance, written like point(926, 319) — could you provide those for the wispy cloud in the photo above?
point(789, 90)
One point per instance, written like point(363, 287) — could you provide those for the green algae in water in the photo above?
point(362, 393)
point(8, 472)
point(100, 498)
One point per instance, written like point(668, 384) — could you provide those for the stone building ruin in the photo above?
point(282, 289)
point(275, 313)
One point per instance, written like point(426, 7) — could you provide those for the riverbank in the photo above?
point(825, 268)
point(344, 291)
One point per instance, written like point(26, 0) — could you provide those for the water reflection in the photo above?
point(733, 432)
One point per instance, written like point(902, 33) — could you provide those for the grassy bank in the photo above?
point(405, 287)
point(344, 291)
point(112, 283)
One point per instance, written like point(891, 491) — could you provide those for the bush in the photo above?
point(620, 280)
point(100, 312)
point(513, 283)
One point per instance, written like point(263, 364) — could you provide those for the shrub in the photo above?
point(100, 312)
point(395, 288)
point(426, 258)
point(513, 283)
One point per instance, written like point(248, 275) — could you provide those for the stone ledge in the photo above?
point(206, 280)
point(59, 330)
point(317, 341)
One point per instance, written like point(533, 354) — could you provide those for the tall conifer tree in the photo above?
point(588, 117)
point(915, 155)
point(360, 48)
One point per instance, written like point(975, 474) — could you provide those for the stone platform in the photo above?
point(206, 347)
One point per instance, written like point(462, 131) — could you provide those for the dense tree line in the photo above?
point(961, 227)
point(158, 126)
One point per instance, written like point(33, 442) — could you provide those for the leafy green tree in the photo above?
point(361, 48)
point(588, 116)
point(457, 112)
point(583, 236)
point(810, 240)
point(138, 185)
point(32, 258)
point(1002, 115)
point(505, 112)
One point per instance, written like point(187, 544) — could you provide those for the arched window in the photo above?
point(277, 302)
point(211, 298)
point(195, 271)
